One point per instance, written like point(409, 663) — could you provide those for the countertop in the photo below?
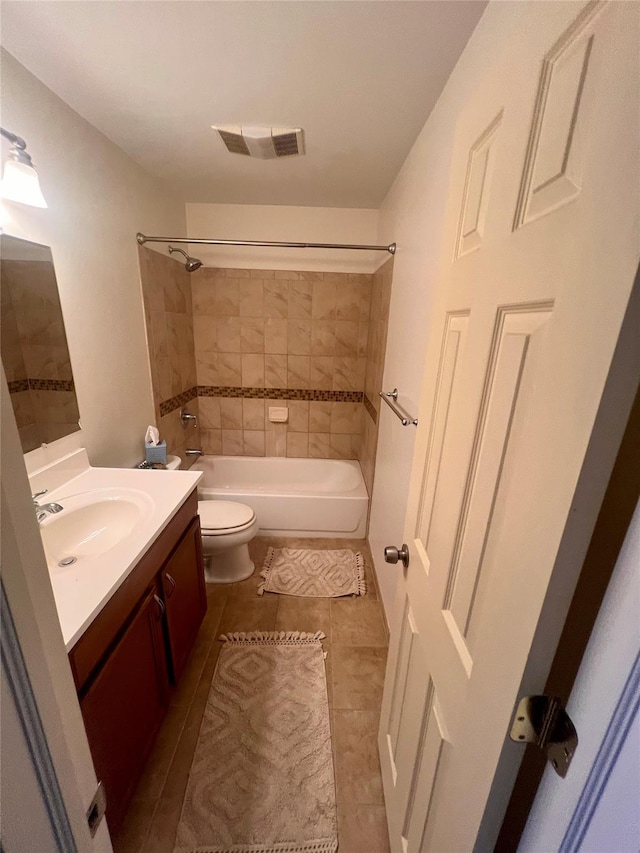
point(81, 590)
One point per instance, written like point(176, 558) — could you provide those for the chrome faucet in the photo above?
point(43, 510)
point(187, 418)
point(193, 451)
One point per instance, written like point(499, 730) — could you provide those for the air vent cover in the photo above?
point(266, 143)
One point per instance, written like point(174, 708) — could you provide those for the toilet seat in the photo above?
point(218, 518)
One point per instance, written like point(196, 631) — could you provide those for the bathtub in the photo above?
point(291, 497)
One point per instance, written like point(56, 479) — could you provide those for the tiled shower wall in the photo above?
point(281, 338)
point(376, 349)
point(166, 291)
point(231, 343)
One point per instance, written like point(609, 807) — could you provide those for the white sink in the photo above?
point(91, 523)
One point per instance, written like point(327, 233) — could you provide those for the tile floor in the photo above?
point(357, 649)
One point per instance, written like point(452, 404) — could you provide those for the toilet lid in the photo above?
point(218, 516)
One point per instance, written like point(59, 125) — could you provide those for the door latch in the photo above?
point(543, 721)
point(97, 808)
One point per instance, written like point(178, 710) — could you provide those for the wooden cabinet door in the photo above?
point(124, 706)
point(185, 596)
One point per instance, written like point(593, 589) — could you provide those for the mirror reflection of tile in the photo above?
point(33, 343)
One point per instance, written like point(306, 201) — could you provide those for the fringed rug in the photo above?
point(313, 574)
point(262, 775)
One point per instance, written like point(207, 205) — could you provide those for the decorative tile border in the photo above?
point(168, 406)
point(371, 410)
point(280, 393)
point(41, 385)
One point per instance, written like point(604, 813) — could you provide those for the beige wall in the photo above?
point(376, 348)
point(98, 199)
point(288, 224)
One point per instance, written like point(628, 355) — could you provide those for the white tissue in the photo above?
point(152, 436)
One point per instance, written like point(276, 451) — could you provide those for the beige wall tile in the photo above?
point(211, 441)
point(210, 417)
point(320, 416)
point(340, 446)
point(319, 445)
point(229, 369)
point(287, 275)
point(205, 333)
point(251, 298)
point(346, 418)
point(347, 337)
point(363, 338)
point(321, 373)
point(232, 442)
point(159, 334)
point(275, 371)
point(276, 440)
point(227, 298)
point(299, 337)
point(228, 334)
point(298, 415)
point(323, 337)
point(254, 442)
point(324, 300)
point(300, 300)
point(252, 334)
point(207, 368)
point(252, 414)
point(298, 370)
point(276, 298)
point(348, 302)
point(297, 444)
point(253, 371)
point(231, 412)
point(262, 274)
point(275, 335)
point(345, 374)
point(203, 293)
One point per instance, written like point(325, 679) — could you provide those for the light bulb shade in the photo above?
point(20, 183)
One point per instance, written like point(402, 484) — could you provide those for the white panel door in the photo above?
point(542, 241)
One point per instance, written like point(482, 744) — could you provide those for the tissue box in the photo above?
point(156, 452)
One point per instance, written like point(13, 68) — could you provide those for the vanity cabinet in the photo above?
point(125, 703)
point(185, 597)
point(136, 647)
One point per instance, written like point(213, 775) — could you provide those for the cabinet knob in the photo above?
point(160, 604)
point(172, 582)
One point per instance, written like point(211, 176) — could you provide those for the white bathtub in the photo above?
point(291, 497)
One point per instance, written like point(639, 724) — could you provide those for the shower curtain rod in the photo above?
point(142, 239)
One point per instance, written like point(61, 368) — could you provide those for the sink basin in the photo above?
point(91, 524)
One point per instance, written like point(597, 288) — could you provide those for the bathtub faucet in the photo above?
point(194, 451)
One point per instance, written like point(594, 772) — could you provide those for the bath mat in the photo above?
point(262, 774)
point(313, 573)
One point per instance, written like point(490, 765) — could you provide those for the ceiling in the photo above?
point(360, 77)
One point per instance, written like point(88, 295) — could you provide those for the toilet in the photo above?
point(227, 528)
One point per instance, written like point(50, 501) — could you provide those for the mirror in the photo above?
point(33, 344)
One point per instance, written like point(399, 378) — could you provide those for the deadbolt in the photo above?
point(393, 554)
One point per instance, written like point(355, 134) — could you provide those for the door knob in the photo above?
point(393, 554)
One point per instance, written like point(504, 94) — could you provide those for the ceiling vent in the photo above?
point(266, 143)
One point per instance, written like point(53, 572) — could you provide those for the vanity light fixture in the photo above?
point(20, 179)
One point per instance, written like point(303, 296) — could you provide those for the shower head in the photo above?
point(192, 264)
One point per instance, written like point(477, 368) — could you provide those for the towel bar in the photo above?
point(397, 410)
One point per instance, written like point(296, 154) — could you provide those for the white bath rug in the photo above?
point(262, 775)
point(313, 573)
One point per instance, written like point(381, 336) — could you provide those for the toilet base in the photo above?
point(228, 566)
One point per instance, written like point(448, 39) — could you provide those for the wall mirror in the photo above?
point(33, 344)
